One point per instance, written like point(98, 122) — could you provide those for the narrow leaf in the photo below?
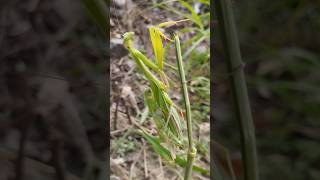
point(165, 153)
point(182, 162)
point(149, 102)
point(157, 45)
point(155, 143)
point(195, 16)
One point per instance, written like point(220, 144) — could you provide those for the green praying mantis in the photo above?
point(170, 124)
point(168, 116)
point(159, 87)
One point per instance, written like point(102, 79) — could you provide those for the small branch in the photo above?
point(145, 160)
point(113, 133)
point(134, 163)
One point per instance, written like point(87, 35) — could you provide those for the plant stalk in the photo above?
point(192, 151)
point(231, 45)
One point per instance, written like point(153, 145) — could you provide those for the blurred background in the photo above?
point(52, 92)
point(280, 45)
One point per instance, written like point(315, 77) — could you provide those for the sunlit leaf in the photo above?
point(157, 45)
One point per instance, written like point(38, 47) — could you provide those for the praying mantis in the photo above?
point(159, 87)
point(169, 123)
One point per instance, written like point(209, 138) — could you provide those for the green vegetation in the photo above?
point(279, 42)
point(169, 123)
point(239, 88)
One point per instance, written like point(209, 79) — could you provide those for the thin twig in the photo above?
point(134, 163)
point(145, 160)
point(113, 133)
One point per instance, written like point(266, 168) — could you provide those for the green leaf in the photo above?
point(207, 2)
point(182, 162)
point(157, 45)
point(149, 101)
point(166, 155)
point(195, 18)
point(156, 93)
point(155, 143)
point(177, 121)
point(195, 44)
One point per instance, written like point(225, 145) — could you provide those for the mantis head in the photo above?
point(127, 38)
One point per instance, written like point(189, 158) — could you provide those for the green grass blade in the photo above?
point(190, 41)
point(194, 45)
point(156, 93)
point(207, 2)
point(183, 163)
point(187, 16)
point(149, 102)
point(177, 121)
point(166, 155)
point(194, 15)
point(155, 143)
point(98, 11)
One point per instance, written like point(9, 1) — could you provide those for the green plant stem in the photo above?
point(231, 45)
point(192, 150)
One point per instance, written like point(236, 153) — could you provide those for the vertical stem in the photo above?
point(192, 151)
point(240, 94)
